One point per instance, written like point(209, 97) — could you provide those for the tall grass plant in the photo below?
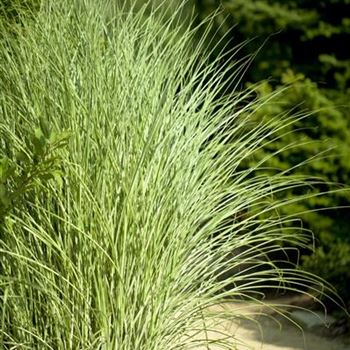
point(126, 247)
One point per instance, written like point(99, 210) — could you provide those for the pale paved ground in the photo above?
point(274, 333)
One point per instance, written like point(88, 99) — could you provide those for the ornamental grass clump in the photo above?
point(124, 243)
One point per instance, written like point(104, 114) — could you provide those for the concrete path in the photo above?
point(270, 331)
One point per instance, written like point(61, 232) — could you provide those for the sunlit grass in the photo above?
point(128, 250)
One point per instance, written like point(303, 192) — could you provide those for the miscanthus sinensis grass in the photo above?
point(127, 251)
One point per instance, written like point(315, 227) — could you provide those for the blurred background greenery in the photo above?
point(301, 52)
point(303, 45)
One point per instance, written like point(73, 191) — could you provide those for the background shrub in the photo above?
point(303, 51)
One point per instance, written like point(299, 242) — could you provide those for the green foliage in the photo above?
point(301, 34)
point(332, 261)
point(29, 164)
point(16, 12)
point(323, 139)
point(305, 61)
point(13, 10)
point(128, 252)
